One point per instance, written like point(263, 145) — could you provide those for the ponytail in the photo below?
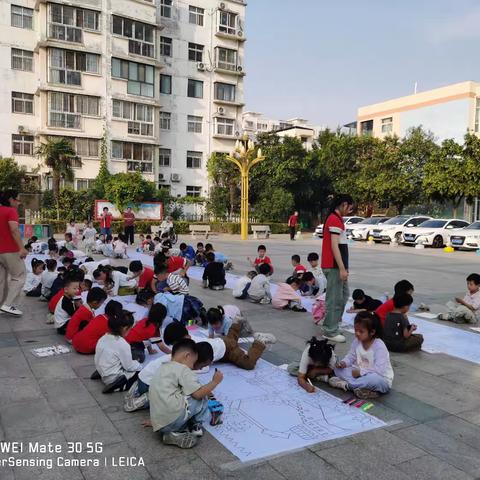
point(371, 322)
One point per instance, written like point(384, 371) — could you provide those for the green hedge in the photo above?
point(181, 227)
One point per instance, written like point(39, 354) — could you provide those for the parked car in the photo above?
point(434, 233)
point(362, 230)
point(467, 238)
point(393, 228)
point(346, 220)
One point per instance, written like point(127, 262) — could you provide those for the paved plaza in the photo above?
point(433, 410)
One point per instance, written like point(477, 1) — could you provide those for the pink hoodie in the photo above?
point(284, 294)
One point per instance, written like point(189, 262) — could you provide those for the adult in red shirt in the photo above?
point(335, 266)
point(12, 252)
point(292, 225)
point(129, 226)
point(106, 222)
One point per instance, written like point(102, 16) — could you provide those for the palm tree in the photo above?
point(58, 155)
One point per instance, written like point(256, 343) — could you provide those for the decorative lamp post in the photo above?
point(243, 158)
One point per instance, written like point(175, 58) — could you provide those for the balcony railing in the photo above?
point(64, 120)
point(66, 33)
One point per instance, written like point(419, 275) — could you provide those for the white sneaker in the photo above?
point(336, 382)
point(339, 338)
point(180, 439)
point(265, 338)
point(132, 404)
point(11, 310)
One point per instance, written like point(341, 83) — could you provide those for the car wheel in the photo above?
point(398, 237)
point(437, 242)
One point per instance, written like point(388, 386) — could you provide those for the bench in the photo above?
point(261, 230)
point(199, 230)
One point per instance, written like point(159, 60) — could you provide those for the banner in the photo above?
point(143, 211)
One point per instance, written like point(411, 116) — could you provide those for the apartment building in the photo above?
point(161, 79)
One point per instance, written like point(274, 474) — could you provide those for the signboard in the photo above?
point(143, 211)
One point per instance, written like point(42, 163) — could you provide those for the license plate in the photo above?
point(457, 241)
point(376, 234)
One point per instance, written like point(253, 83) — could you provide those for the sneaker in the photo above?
point(336, 382)
point(180, 439)
point(339, 338)
point(50, 319)
point(265, 301)
point(133, 403)
point(365, 393)
point(11, 310)
point(196, 430)
point(322, 378)
point(132, 392)
point(43, 299)
point(444, 316)
point(265, 338)
point(95, 375)
point(296, 308)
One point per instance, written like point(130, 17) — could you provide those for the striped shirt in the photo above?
point(177, 284)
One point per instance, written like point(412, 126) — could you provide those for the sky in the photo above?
point(322, 59)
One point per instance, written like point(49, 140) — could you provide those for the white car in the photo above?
point(394, 228)
point(318, 233)
point(467, 238)
point(433, 233)
point(362, 230)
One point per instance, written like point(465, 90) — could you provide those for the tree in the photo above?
point(74, 204)
point(471, 156)
point(104, 175)
point(124, 189)
point(274, 205)
point(58, 155)
point(11, 174)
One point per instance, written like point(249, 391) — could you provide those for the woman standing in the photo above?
point(129, 225)
point(12, 252)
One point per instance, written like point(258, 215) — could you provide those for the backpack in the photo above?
point(318, 311)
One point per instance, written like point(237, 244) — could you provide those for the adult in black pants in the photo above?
point(292, 225)
point(129, 225)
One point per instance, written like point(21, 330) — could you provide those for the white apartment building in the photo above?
point(162, 78)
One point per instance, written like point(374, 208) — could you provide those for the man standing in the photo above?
point(335, 266)
point(129, 225)
point(105, 222)
point(292, 225)
point(12, 252)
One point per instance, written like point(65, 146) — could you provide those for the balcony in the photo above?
point(229, 26)
point(64, 120)
point(229, 68)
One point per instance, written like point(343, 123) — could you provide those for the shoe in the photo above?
point(196, 430)
point(265, 338)
point(265, 301)
point(365, 393)
point(95, 376)
point(132, 392)
point(133, 403)
point(117, 385)
point(322, 378)
point(50, 319)
point(43, 299)
point(180, 439)
point(11, 310)
point(296, 308)
point(339, 338)
point(444, 316)
point(336, 382)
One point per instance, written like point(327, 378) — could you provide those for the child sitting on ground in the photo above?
point(89, 235)
point(240, 290)
point(320, 279)
point(120, 247)
point(214, 273)
point(259, 290)
point(298, 268)
point(99, 243)
point(113, 356)
point(73, 231)
point(220, 319)
point(142, 274)
point(48, 277)
point(261, 258)
point(69, 245)
point(317, 363)
point(187, 252)
point(108, 247)
point(168, 282)
point(466, 309)
point(140, 308)
point(85, 286)
point(403, 286)
point(362, 302)
point(219, 256)
point(287, 296)
point(308, 285)
point(397, 332)
point(366, 369)
point(200, 254)
point(178, 402)
point(66, 306)
point(95, 298)
point(33, 282)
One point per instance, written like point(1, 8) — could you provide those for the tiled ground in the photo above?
point(434, 407)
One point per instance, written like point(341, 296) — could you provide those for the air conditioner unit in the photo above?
point(237, 134)
point(175, 177)
point(239, 69)
point(201, 66)
point(240, 33)
point(221, 111)
point(222, 6)
point(21, 128)
point(161, 177)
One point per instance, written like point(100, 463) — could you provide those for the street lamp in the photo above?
point(243, 158)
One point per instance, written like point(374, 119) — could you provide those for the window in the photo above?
point(166, 84)
point(262, 126)
point(140, 77)
point(65, 109)
point(195, 52)
point(195, 15)
point(84, 183)
point(193, 191)
point(166, 8)
point(194, 124)
point(387, 125)
point(366, 127)
point(166, 46)
point(141, 35)
point(87, 147)
point(194, 159)
point(22, 17)
point(164, 157)
point(226, 58)
point(224, 92)
point(224, 126)
point(227, 22)
point(195, 88)
point(22, 60)
point(66, 66)
point(22, 144)
point(165, 120)
point(67, 23)
point(139, 156)
point(22, 102)
point(140, 116)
